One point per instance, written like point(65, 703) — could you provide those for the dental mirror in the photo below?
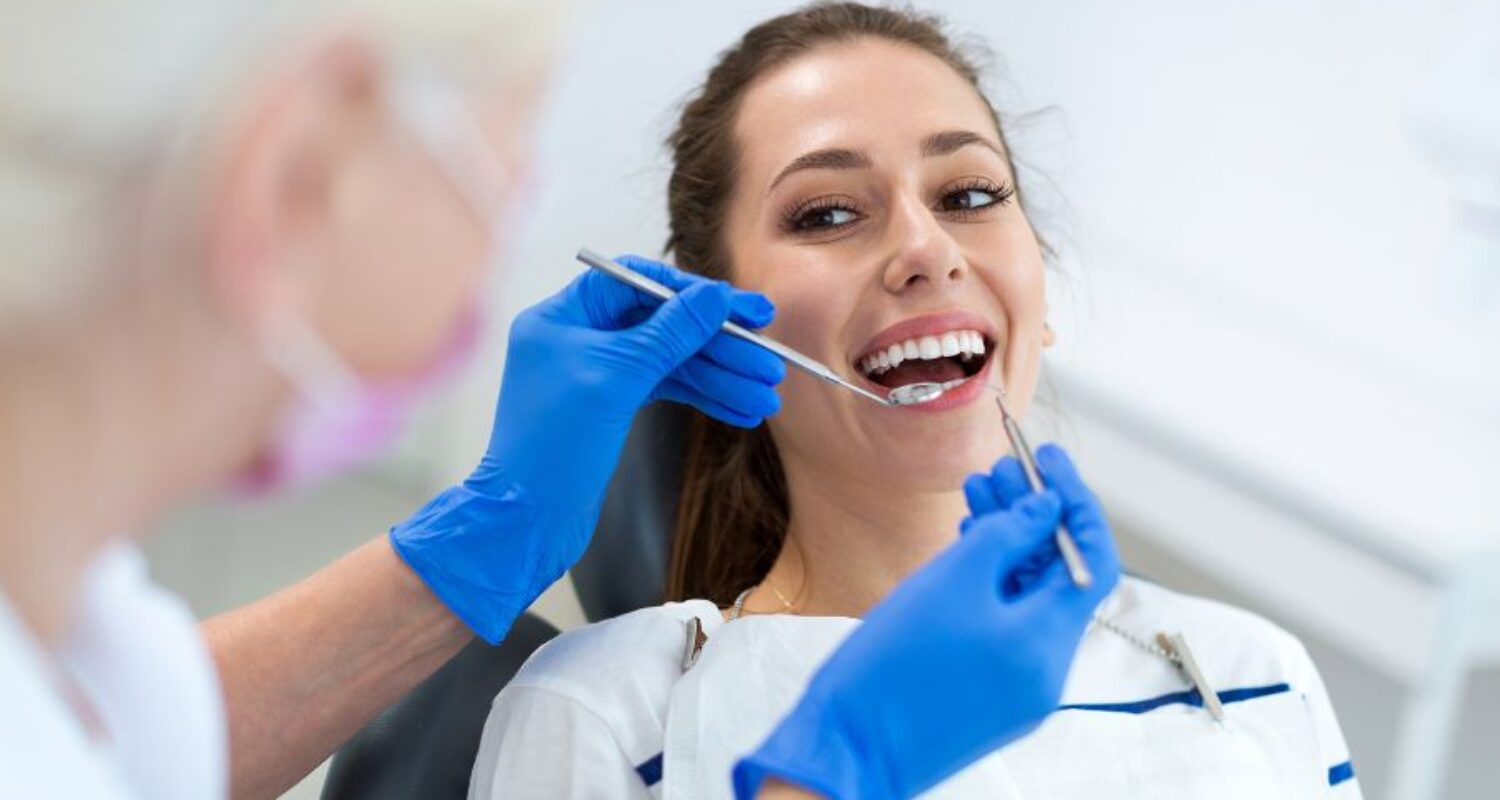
point(915, 394)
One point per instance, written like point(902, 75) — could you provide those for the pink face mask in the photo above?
point(348, 421)
point(338, 419)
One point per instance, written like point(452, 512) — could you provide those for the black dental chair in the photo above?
point(423, 747)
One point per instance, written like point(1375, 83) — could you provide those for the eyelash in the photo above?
point(1000, 193)
point(796, 218)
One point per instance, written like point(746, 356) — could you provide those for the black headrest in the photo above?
point(625, 567)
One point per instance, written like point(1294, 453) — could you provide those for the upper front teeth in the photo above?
point(953, 343)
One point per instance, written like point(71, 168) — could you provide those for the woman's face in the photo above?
point(875, 207)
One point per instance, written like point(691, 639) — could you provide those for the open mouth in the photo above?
point(947, 358)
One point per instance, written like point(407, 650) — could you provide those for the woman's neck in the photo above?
point(849, 543)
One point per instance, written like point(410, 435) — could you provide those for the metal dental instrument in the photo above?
point(915, 393)
point(1077, 569)
point(796, 359)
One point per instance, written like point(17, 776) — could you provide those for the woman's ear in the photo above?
point(270, 217)
point(1049, 336)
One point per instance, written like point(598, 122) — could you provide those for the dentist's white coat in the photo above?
point(126, 706)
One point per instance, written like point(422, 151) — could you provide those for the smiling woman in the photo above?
point(860, 139)
point(843, 161)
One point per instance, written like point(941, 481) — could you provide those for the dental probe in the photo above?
point(796, 359)
point(1077, 569)
point(915, 393)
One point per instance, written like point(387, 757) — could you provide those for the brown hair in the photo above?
point(733, 512)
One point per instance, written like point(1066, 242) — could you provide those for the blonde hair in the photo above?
point(107, 108)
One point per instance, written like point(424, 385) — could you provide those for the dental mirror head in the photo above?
point(915, 394)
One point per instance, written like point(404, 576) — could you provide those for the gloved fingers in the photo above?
point(1058, 469)
point(745, 396)
point(604, 303)
point(1052, 598)
point(997, 491)
point(1081, 509)
point(677, 330)
point(664, 274)
point(739, 356)
point(1008, 481)
point(620, 306)
point(1003, 540)
point(747, 310)
point(980, 496)
point(1096, 543)
point(678, 392)
point(1084, 518)
point(750, 309)
point(599, 301)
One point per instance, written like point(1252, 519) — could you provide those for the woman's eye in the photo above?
point(969, 200)
point(824, 218)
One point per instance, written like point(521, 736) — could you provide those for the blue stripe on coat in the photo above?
point(1190, 697)
point(650, 770)
point(1338, 773)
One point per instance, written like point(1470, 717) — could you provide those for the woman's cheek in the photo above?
point(803, 320)
point(807, 320)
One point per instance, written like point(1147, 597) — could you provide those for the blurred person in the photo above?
point(844, 160)
point(222, 237)
point(238, 241)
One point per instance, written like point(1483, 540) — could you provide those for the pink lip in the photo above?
point(929, 325)
point(932, 325)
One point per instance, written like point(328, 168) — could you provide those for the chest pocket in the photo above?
point(1266, 747)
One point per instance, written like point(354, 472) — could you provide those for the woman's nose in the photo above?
point(922, 252)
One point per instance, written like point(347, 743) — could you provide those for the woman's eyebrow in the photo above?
point(946, 142)
point(834, 158)
point(937, 144)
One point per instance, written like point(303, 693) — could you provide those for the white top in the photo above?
point(134, 663)
point(606, 710)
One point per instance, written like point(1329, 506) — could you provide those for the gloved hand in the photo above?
point(950, 666)
point(580, 365)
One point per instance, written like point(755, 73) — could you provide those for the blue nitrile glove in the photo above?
point(950, 666)
point(580, 365)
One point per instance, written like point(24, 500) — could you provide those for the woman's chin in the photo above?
point(940, 457)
